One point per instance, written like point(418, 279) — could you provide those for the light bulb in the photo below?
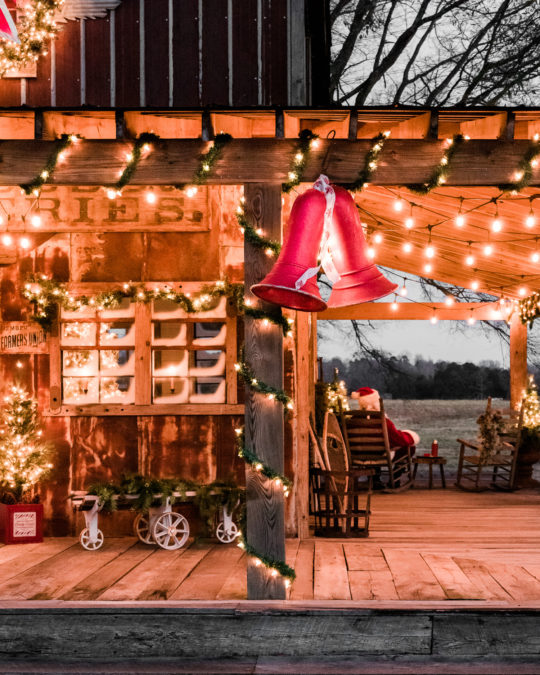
point(394, 305)
point(403, 290)
point(471, 320)
point(398, 204)
point(474, 285)
point(530, 220)
point(434, 319)
point(449, 301)
point(150, 196)
point(191, 191)
point(428, 267)
point(522, 291)
point(409, 223)
point(535, 257)
point(7, 240)
point(469, 260)
point(24, 242)
point(371, 252)
point(111, 194)
point(407, 247)
point(429, 251)
point(378, 238)
point(460, 220)
point(496, 225)
point(488, 249)
point(36, 220)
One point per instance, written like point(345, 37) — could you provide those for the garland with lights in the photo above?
point(141, 146)
point(254, 237)
point(48, 294)
point(37, 24)
point(442, 170)
point(524, 173)
point(529, 309)
point(370, 164)
point(272, 393)
point(258, 465)
point(61, 145)
point(277, 566)
point(307, 140)
point(206, 163)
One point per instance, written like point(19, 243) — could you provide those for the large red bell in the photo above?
point(283, 285)
point(360, 281)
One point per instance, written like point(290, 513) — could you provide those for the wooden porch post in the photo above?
point(518, 360)
point(264, 418)
point(303, 379)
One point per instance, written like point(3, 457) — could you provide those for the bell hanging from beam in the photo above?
point(360, 280)
point(292, 282)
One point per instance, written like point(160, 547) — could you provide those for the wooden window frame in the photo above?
point(143, 371)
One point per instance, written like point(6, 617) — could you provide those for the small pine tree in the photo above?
point(531, 407)
point(24, 456)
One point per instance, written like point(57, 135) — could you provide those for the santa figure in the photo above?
point(369, 399)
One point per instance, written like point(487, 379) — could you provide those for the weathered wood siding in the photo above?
point(218, 52)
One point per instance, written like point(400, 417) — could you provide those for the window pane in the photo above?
point(80, 390)
point(209, 390)
point(171, 362)
point(169, 332)
point(117, 332)
point(80, 362)
point(117, 390)
point(207, 329)
point(204, 358)
point(117, 361)
point(79, 333)
point(170, 390)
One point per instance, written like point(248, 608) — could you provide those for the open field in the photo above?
point(443, 420)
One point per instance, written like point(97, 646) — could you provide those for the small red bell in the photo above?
point(361, 280)
point(299, 253)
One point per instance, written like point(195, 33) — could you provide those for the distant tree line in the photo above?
point(399, 377)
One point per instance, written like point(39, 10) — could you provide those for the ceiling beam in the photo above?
point(264, 160)
point(413, 311)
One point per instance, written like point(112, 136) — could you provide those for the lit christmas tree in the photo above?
point(24, 456)
point(336, 394)
point(531, 406)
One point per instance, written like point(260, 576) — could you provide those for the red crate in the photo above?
point(21, 523)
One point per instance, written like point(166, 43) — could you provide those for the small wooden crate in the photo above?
point(21, 523)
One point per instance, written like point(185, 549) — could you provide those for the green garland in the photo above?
point(249, 378)
point(253, 237)
point(370, 164)
point(144, 140)
point(35, 185)
point(279, 566)
point(529, 309)
point(300, 159)
point(524, 172)
point(207, 161)
point(257, 464)
point(51, 294)
point(442, 170)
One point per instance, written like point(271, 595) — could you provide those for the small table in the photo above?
point(430, 461)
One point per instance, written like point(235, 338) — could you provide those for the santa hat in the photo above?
point(368, 398)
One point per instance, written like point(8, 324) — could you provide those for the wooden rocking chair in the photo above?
point(367, 442)
point(338, 492)
point(501, 463)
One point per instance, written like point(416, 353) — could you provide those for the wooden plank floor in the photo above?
point(424, 546)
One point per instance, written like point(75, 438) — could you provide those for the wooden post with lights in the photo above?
point(263, 418)
point(518, 360)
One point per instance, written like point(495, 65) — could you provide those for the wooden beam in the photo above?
point(263, 418)
point(303, 376)
point(263, 160)
point(518, 360)
point(411, 311)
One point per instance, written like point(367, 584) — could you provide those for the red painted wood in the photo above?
point(215, 71)
point(186, 53)
point(97, 62)
point(10, 92)
point(244, 72)
point(274, 52)
point(38, 89)
point(8, 523)
point(156, 25)
point(127, 53)
point(68, 65)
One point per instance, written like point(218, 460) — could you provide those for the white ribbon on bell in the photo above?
point(323, 185)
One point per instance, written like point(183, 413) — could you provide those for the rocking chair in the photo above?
point(337, 491)
point(366, 437)
point(501, 462)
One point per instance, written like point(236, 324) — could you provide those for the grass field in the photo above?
point(443, 420)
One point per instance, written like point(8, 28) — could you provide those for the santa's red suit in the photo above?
point(368, 399)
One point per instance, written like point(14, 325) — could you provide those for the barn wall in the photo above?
point(219, 52)
point(92, 448)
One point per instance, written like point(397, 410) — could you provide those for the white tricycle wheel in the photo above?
point(141, 527)
point(226, 536)
point(170, 531)
point(86, 541)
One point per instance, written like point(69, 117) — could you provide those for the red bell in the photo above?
point(360, 281)
point(298, 254)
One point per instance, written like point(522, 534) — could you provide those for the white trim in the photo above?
point(142, 70)
point(112, 72)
